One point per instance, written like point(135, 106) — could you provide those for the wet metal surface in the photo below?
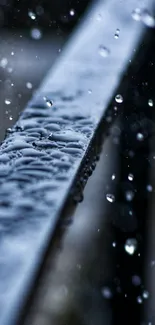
point(42, 154)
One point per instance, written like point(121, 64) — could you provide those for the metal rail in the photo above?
point(53, 143)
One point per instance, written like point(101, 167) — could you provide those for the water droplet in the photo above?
point(136, 14)
point(10, 118)
point(145, 294)
point(29, 85)
point(147, 18)
point(139, 299)
point(110, 198)
point(149, 188)
point(106, 293)
point(32, 15)
point(150, 102)
point(144, 16)
point(36, 33)
point(129, 195)
point(104, 51)
point(136, 280)
point(3, 63)
point(49, 102)
point(140, 136)
point(130, 177)
point(10, 69)
point(130, 246)
point(7, 101)
point(113, 177)
point(89, 91)
point(12, 53)
point(117, 33)
point(72, 12)
point(99, 17)
point(114, 244)
point(119, 99)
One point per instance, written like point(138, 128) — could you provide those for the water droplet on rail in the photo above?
point(119, 99)
point(104, 51)
point(130, 246)
point(136, 14)
point(117, 33)
point(150, 102)
point(49, 102)
point(148, 19)
point(110, 198)
point(99, 17)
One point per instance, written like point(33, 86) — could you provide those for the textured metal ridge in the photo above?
point(41, 156)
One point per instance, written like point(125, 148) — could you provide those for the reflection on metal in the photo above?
point(55, 141)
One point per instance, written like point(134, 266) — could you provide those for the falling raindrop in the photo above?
point(12, 53)
point(104, 51)
point(72, 12)
point(110, 198)
point(113, 177)
point(145, 294)
point(114, 244)
point(140, 136)
point(150, 102)
point(106, 293)
point(149, 188)
point(130, 177)
point(139, 300)
point(117, 33)
point(7, 101)
point(32, 15)
point(130, 246)
point(36, 33)
point(129, 195)
point(29, 85)
point(119, 99)
point(136, 280)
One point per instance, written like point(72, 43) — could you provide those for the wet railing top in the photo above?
point(42, 154)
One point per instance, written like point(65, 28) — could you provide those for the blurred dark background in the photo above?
point(32, 36)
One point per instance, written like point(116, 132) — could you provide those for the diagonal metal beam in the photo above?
point(49, 147)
